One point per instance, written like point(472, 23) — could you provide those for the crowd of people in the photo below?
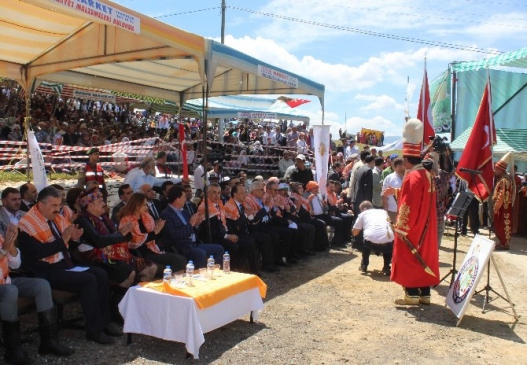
point(74, 241)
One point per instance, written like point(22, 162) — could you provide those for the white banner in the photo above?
point(40, 179)
point(321, 150)
point(93, 95)
point(275, 75)
point(469, 274)
point(255, 115)
point(103, 13)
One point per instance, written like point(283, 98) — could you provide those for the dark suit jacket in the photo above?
point(32, 251)
point(159, 209)
point(176, 233)
point(191, 208)
point(116, 210)
point(239, 227)
point(24, 207)
point(217, 230)
point(363, 189)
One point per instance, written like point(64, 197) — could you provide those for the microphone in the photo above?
point(470, 171)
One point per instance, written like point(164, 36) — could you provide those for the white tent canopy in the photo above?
point(104, 45)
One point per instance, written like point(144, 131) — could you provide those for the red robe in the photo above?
point(502, 200)
point(417, 201)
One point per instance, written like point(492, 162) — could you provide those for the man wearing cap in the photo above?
point(416, 229)
point(502, 201)
point(162, 171)
point(92, 171)
point(300, 173)
point(285, 162)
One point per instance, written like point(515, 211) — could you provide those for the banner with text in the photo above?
point(103, 13)
point(93, 95)
point(255, 115)
point(275, 75)
point(321, 150)
point(40, 179)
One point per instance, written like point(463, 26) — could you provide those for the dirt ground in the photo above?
point(325, 311)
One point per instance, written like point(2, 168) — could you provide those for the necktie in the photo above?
point(242, 210)
point(65, 252)
point(153, 209)
point(190, 209)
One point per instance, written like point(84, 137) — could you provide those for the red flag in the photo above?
point(183, 149)
point(478, 152)
point(424, 111)
point(293, 103)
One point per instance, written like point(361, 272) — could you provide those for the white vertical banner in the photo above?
point(40, 179)
point(321, 150)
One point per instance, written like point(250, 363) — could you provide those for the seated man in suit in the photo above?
point(190, 207)
point(179, 231)
point(125, 192)
point(29, 193)
point(238, 224)
point(10, 290)
point(10, 212)
point(154, 205)
point(44, 240)
point(239, 247)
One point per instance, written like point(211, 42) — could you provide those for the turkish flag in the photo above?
point(478, 152)
point(293, 103)
point(424, 111)
point(183, 149)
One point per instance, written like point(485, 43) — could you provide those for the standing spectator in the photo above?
point(377, 183)
point(285, 162)
point(92, 171)
point(394, 181)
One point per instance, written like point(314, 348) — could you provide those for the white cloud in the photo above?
point(379, 102)
point(337, 77)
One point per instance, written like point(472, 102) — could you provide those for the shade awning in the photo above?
point(103, 45)
point(229, 107)
point(508, 140)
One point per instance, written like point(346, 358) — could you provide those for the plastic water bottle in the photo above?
point(210, 267)
point(167, 274)
point(190, 272)
point(226, 263)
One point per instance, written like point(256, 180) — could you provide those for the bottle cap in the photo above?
point(168, 267)
point(227, 252)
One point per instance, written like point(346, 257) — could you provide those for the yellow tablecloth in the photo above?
point(210, 292)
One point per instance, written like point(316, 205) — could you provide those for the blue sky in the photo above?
point(365, 76)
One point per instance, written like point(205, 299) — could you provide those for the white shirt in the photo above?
point(13, 218)
point(139, 178)
point(316, 204)
point(393, 180)
point(199, 177)
point(284, 164)
point(14, 263)
point(350, 151)
point(375, 226)
point(301, 146)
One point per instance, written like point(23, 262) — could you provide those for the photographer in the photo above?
point(438, 161)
